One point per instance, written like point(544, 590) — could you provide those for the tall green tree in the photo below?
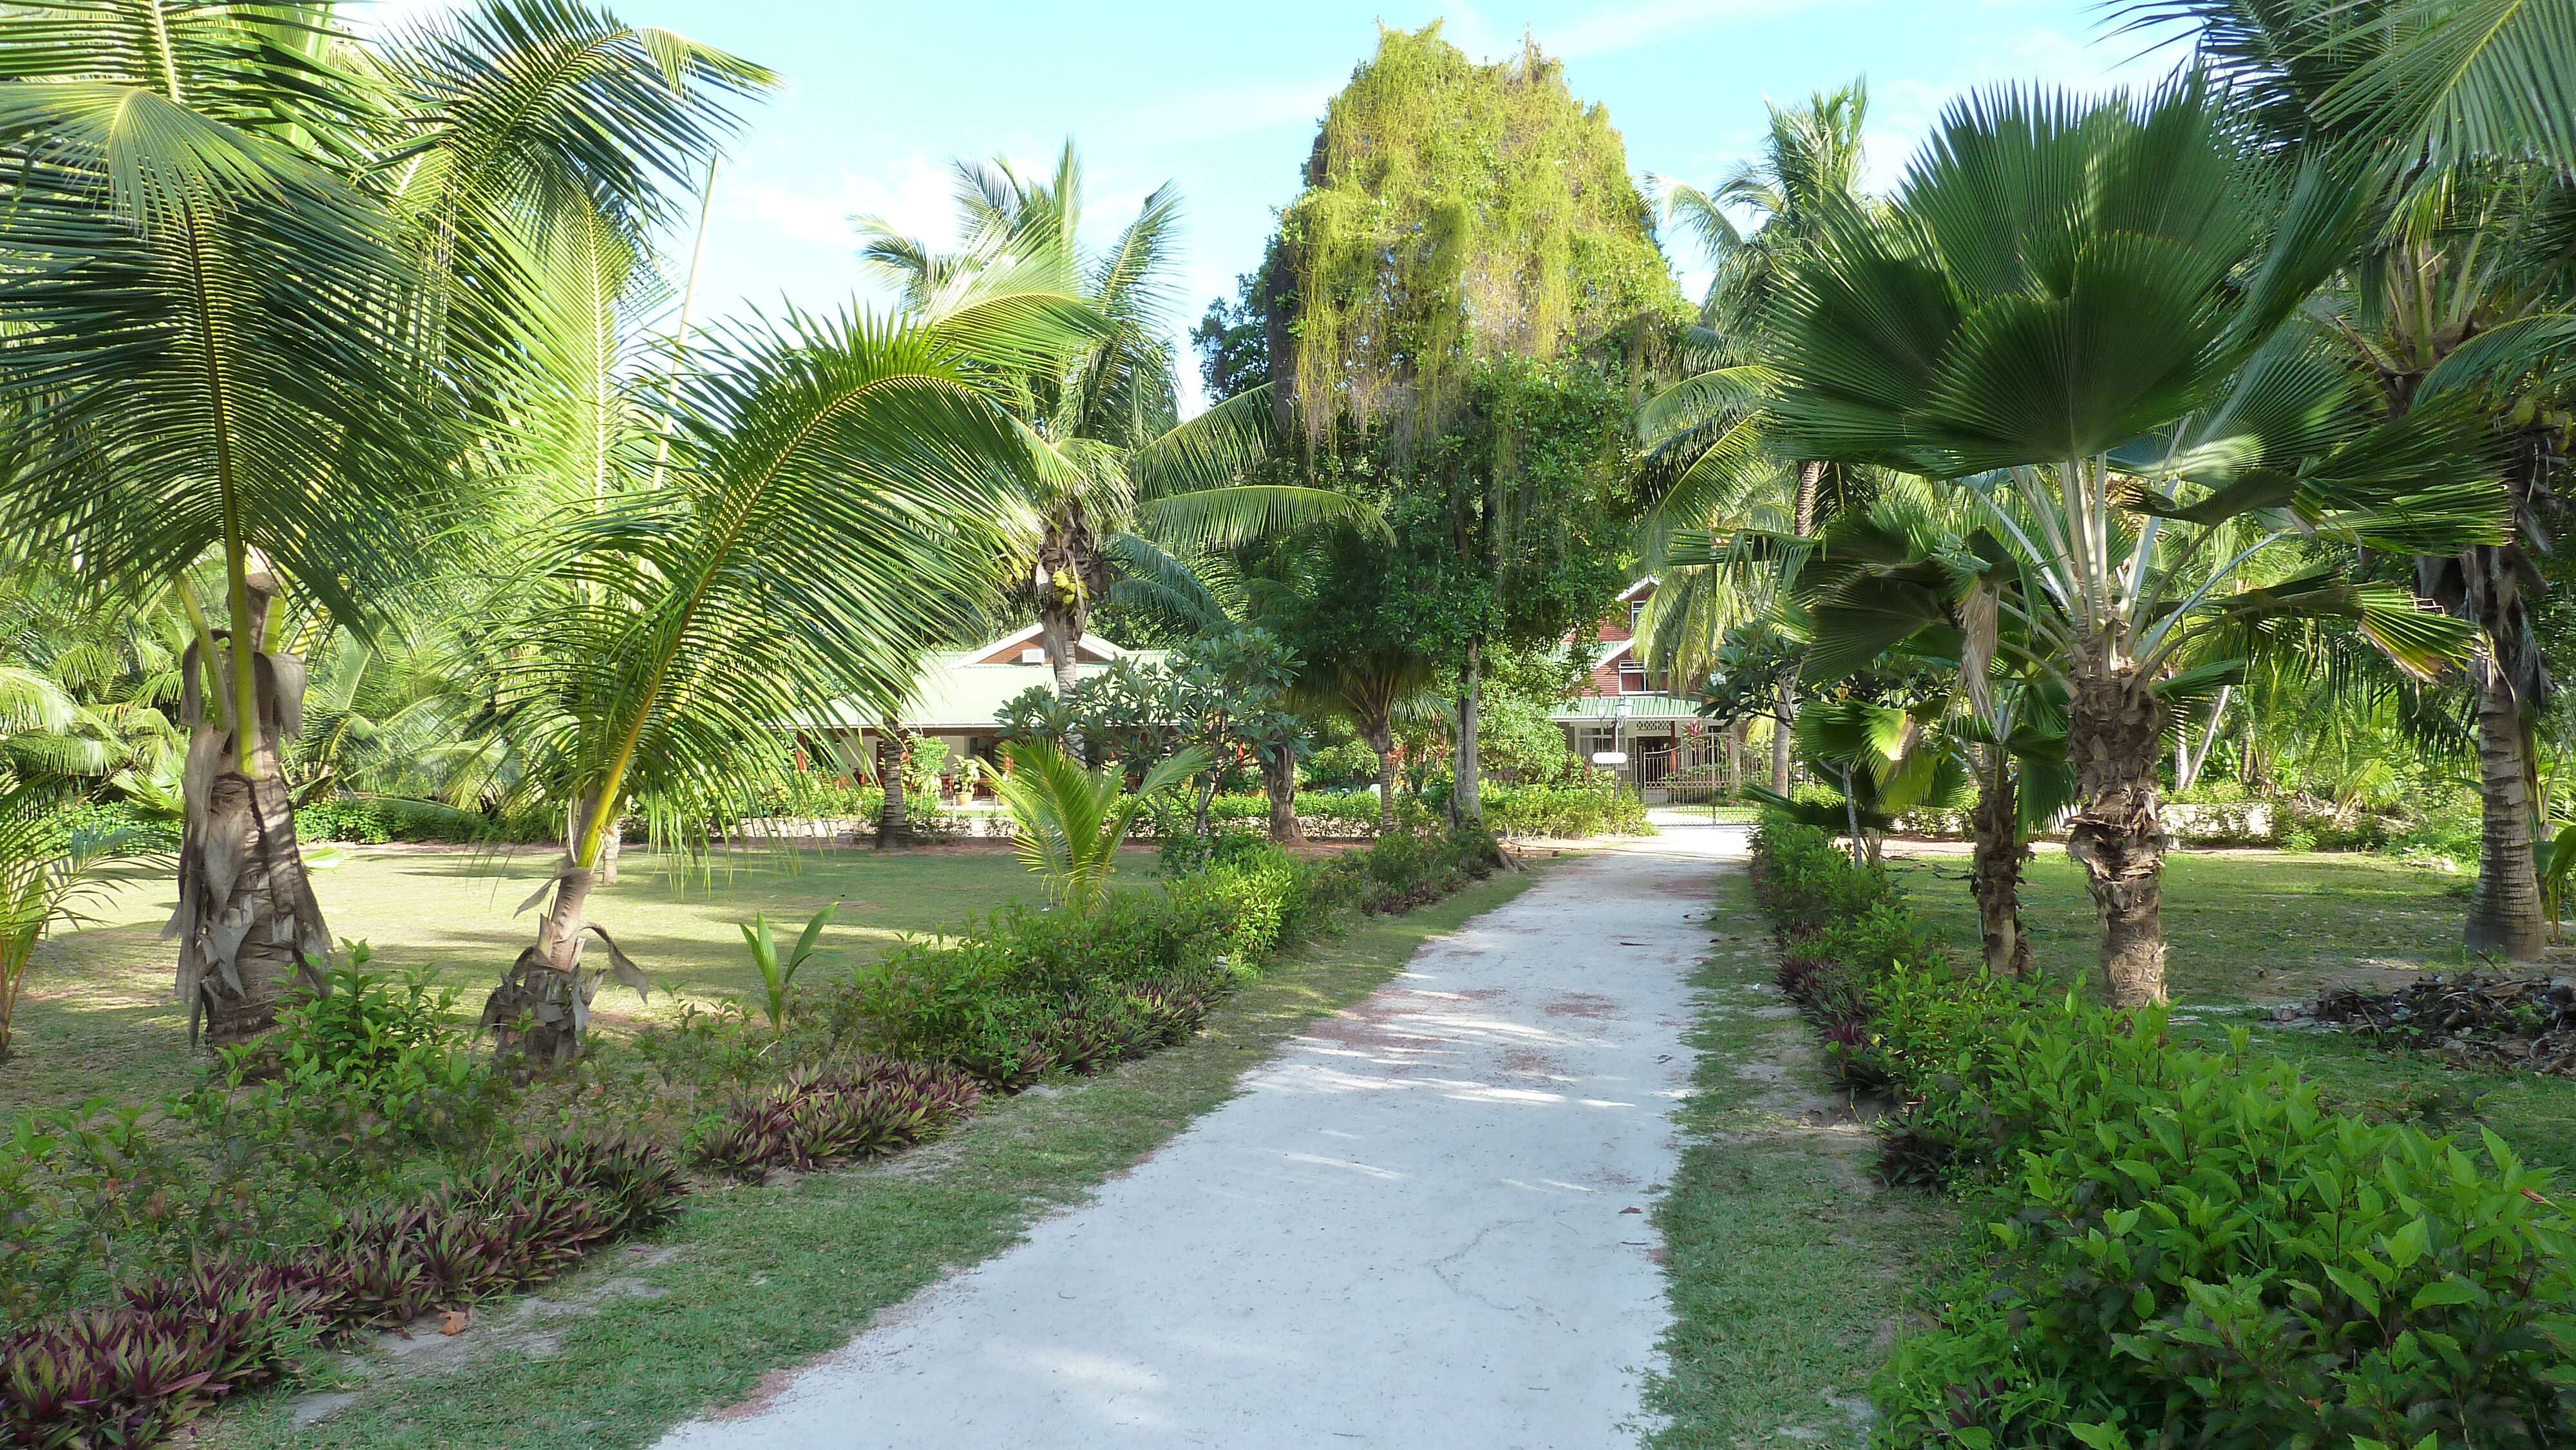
point(1712, 461)
point(210, 348)
point(2079, 312)
point(1462, 304)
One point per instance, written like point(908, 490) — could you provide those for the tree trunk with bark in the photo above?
point(1466, 795)
point(1379, 736)
point(2505, 913)
point(1279, 780)
point(894, 818)
point(1811, 479)
point(1069, 575)
point(247, 922)
point(1995, 873)
point(2114, 740)
point(1788, 711)
point(541, 1010)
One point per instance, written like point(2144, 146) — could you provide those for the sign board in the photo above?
point(1609, 757)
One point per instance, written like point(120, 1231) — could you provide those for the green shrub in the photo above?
point(375, 1065)
point(1565, 812)
point(149, 831)
point(2181, 1248)
point(1024, 992)
point(2192, 1251)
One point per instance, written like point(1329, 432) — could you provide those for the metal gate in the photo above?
point(1689, 768)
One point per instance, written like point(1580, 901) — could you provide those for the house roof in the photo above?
point(957, 691)
point(1007, 649)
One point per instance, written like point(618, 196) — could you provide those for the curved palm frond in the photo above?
point(2469, 78)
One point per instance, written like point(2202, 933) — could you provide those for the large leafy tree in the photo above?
point(1462, 305)
point(2077, 311)
point(2456, 118)
point(1113, 471)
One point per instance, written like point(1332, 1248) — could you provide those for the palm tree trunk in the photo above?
point(2505, 916)
point(1811, 478)
point(1380, 735)
point(542, 1006)
point(2114, 739)
point(1279, 779)
point(1466, 795)
point(1995, 875)
point(247, 921)
point(1788, 711)
point(894, 821)
point(1069, 575)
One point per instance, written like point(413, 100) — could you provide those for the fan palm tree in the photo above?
point(2079, 313)
point(1113, 472)
point(837, 491)
point(2465, 288)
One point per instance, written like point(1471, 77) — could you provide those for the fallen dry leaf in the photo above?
point(451, 1321)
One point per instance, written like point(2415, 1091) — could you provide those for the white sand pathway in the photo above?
point(1418, 1226)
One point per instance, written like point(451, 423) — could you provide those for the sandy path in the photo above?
point(1419, 1225)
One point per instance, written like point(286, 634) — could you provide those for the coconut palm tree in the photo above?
point(229, 332)
point(2080, 313)
point(209, 350)
point(1071, 821)
point(2465, 287)
point(1111, 464)
point(1708, 444)
point(836, 493)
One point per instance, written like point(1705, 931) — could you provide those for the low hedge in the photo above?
point(2175, 1247)
point(1563, 812)
point(1026, 992)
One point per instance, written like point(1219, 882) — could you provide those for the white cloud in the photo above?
point(916, 196)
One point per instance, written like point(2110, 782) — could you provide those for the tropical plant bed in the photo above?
point(751, 1279)
point(2169, 1246)
point(2254, 932)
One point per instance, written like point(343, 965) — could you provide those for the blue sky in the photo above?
point(1223, 98)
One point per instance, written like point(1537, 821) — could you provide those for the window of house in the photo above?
point(1632, 678)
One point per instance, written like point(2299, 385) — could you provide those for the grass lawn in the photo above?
point(751, 1280)
point(1789, 1266)
point(2261, 927)
point(101, 1019)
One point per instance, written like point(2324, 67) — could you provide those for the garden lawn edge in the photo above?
point(1789, 1269)
point(750, 1282)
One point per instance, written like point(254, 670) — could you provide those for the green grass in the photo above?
point(2240, 926)
point(1789, 1268)
point(761, 1279)
point(2252, 927)
point(101, 1019)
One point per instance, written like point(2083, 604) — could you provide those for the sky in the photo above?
point(1223, 99)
